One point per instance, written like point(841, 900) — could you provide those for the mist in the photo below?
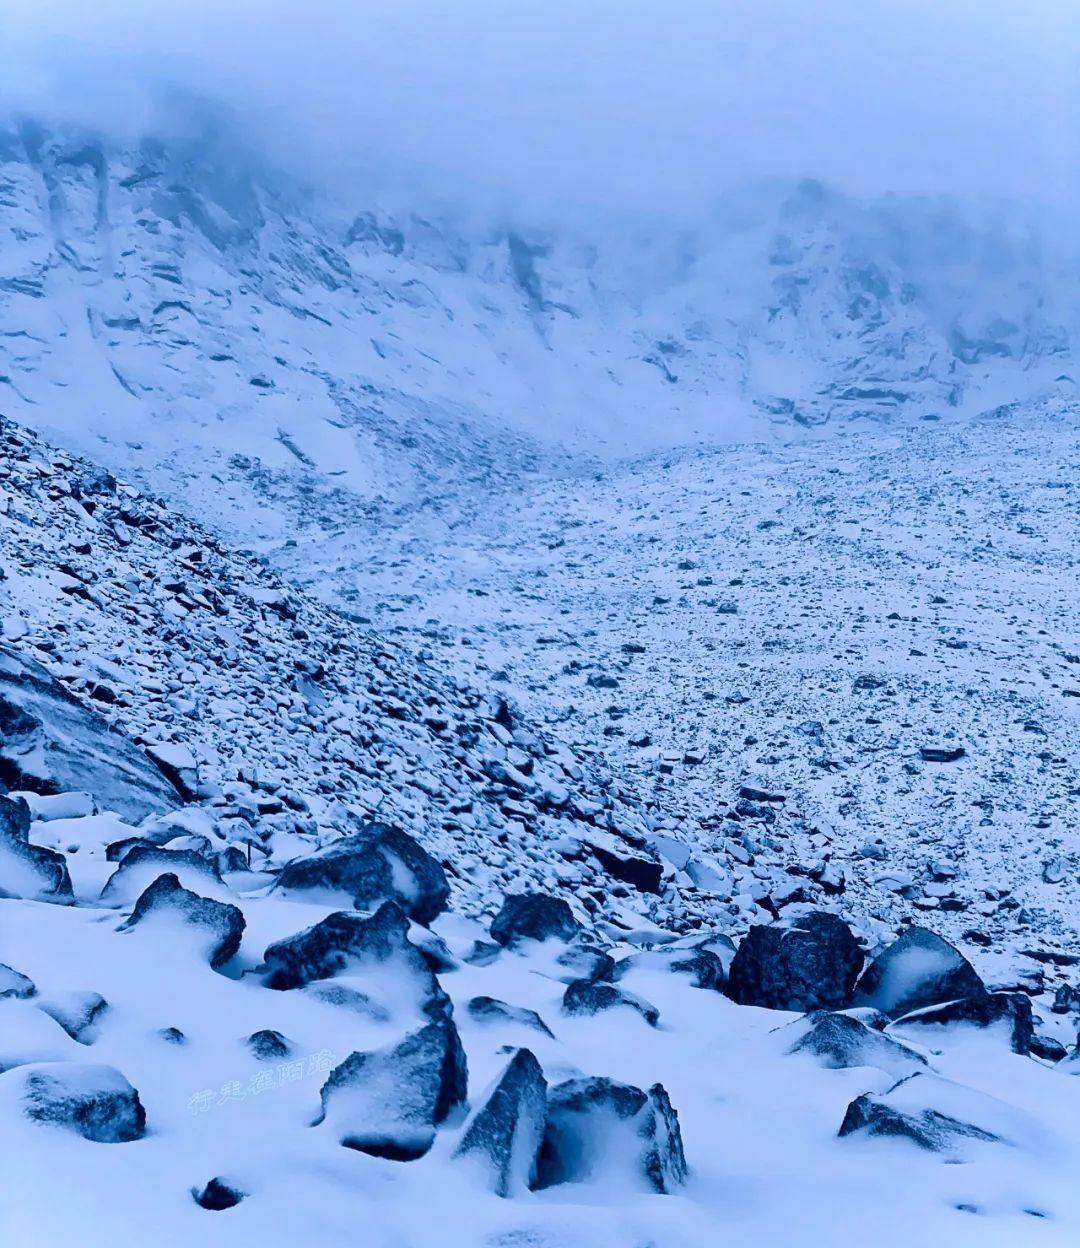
point(603, 106)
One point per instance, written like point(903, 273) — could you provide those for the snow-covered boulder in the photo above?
point(701, 966)
point(488, 1010)
point(14, 983)
point(388, 1102)
point(503, 1135)
point(376, 864)
point(534, 916)
point(77, 1012)
point(599, 1130)
point(268, 1045)
point(167, 908)
point(585, 997)
point(375, 946)
point(29, 871)
point(807, 963)
point(218, 1194)
point(141, 865)
point(28, 1034)
point(96, 1102)
point(1010, 1011)
point(918, 969)
point(51, 743)
point(839, 1041)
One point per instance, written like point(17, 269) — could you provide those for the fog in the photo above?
point(594, 104)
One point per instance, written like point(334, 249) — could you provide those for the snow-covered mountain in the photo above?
point(285, 361)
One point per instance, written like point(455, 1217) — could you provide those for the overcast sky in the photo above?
point(591, 102)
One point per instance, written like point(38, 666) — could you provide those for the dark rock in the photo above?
point(218, 1195)
point(908, 1111)
point(489, 1010)
point(268, 1045)
point(379, 863)
point(808, 963)
point(51, 743)
point(388, 1102)
point(14, 983)
point(345, 942)
point(172, 1035)
point(96, 1102)
point(142, 864)
point(623, 863)
point(581, 961)
point(939, 754)
point(1049, 1049)
point(505, 1133)
point(842, 1042)
point(749, 794)
point(483, 953)
point(26, 870)
point(703, 968)
point(1011, 1008)
point(586, 997)
point(598, 1127)
point(77, 1012)
point(534, 916)
point(221, 924)
point(917, 969)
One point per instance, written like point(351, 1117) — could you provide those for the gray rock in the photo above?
point(841, 1042)
point(505, 1133)
point(489, 1010)
point(29, 871)
point(534, 916)
point(96, 1102)
point(918, 969)
point(808, 963)
point(586, 997)
point(1010, 1009)
point(222, 924)
point(15, 984)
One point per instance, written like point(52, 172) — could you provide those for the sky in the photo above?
point(588, 103)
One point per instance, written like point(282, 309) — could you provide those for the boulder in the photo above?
point(839, 1042)
point(1011, 1010)
point(50, 743)
point(96, 1102)
point(702, 967)
point(77, 1012)
point(503, 1135)
point(585, 997)
point(29, 1035)
point(599, 1129)
point(29, 871)
point(623, 863)
point(920, 968)
point(807, 963)
point(218, 1194)
point(15, 984)
point(218, 925)
point(489, 1010)
point(142, 864)
point(268, 1045)
point(376, 864)
point(534, 916)
point(346, 943)
point(389, 1102)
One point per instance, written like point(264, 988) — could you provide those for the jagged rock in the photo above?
point(77, 1012)
point(28, 1034)
point(703, 968)
point(805, 964)
point(585, 997)
point(489, 1010)
point(840, 1041)
point(581, 961)
point(624, 863)
point(142, 864)
point(504, 1134)
point(379, 863)
point(918, 969)
point(345, 942)
point(14, 983)
point(932, 1112)
point(177, 764)
point(220, 925)
point(435, 950)
point(26, 870)
point(218, 1195)
point(51, 743)
point(1047, 1048)
point(534, 916)
point(992, 1008)
point(388, 1102)
point(96, 1102)
point(598, 1128)
point(268, 1045)
point(172, 1035)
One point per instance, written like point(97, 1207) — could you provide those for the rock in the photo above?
point(534, 916)
point(177, 764)
point(581, 961)
point(29, 871)
point(166, 905)
point(1047, 1048)
point(932, 1112)
point(29, 1035)
point(489, 1010)
point(504, 1134)
point(268, 1045)
point(585, 997)
point(623, 863)
point(77, 1012)
point(50, 743)
point(701, 966)
point(141, 865)
point(841, 1042)
point(941, 754)
point(379, 863)
point(750, 794)
point(15, 984)
point(345, 943)
point(218, 1195)
point(96, 1102)
point(1011, 1009)
point(808, 963)
point(599, 1130)
point(435, 950)
point(388, 1102)
point(172, 1035)
point(918, 969)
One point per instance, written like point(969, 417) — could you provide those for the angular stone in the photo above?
point(29, 871)
point(489, 1010)
point(96, 1102)
point(1011, 1009)
point(585, 997)
point(808, 963)
point(918, 969)
point(503, 1136)
point(841, 1042)
point(220, 924)
point(534, 916)
point(142, 864)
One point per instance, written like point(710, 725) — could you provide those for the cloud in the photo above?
point(598, 104)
